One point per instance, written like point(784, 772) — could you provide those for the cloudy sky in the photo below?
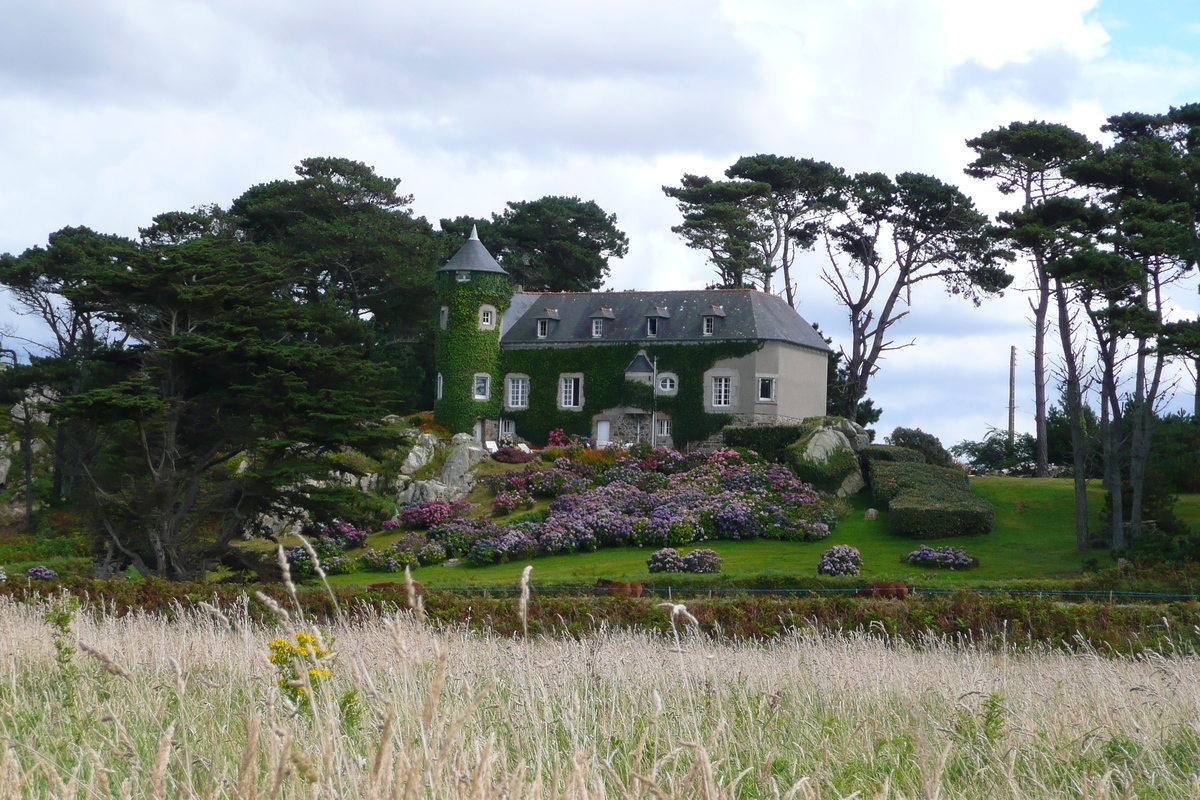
point(114, 110)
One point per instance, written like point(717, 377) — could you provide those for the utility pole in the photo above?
point(1012, 398)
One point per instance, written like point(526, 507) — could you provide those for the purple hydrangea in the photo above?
point(432, 512)
point(945, 557)
point(667, 559)
point(506, 502)
point(42, 573)
point(841, 559)
point(702, 560)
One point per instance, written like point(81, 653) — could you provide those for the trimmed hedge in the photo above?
point(890, 480)
point(935, 513)
point(929, 502)
point(891, 452)
point(769, 441)
point(888, 453)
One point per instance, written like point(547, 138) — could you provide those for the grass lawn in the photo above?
point(1034, 539)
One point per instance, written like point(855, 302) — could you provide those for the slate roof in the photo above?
point(740, 315)
point(473, 257)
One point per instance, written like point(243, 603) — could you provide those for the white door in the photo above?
point(479, 431)
point(602, 433)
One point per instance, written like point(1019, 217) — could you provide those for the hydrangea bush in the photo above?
point(511, 455)
point(42, 573)
point(841, 559)
point(940, 557)
point(507, 502)
point(703, 560)
point(666, 560)
point(432, 512)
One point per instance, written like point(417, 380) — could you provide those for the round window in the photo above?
point(666, 384)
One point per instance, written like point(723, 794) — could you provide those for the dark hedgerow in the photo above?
point(769, 441)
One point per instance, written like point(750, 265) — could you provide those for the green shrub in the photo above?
point(826, 477)
point(769, 441)
point(894, 478)
point(935, 513)
point(891, 452)
point(887, 453)
point(929, 502)
point(925, 443)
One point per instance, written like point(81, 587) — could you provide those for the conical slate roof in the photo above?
point(473, 257)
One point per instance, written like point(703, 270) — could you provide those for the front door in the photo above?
point(602, 432)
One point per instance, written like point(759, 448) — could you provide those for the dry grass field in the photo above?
point(190, 707)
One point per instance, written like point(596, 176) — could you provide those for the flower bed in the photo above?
point(655, 498)
point(940, 557)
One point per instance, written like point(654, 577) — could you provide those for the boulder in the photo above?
point(465, 454)
point(424, 491)
point(428, 441)
point(856, 435)
point(823, 442)
point(827, 457)
point(417, 457)
point(5, 466)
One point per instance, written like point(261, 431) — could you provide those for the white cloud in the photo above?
point(114, 110)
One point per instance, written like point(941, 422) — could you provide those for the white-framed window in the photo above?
point(440, 385)
point(568, 392)
point(721, 391)
point(462, 276)
point(664, 427)
point(508, 428)
point(710, 325)
point(543, 328)
point(483, 386)
point(518, 391)
point(444, 317)
point(652, 326)
point(766, 390)
point(597, 328)
point(667, 383)
point(485, 317)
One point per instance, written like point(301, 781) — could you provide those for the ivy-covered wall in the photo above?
point(462, 349)
point(605, 387)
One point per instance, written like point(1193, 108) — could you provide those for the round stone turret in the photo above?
point(473, 293)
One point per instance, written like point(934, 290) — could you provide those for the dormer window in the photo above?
point(462, 276)
point(709, 326)
point(543, 328)
point(598, 319)
point(654, 319)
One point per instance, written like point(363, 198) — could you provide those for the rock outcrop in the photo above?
point(827, 456)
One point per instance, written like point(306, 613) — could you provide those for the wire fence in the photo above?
point(671, 591)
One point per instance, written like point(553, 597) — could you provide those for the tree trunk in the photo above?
point(1075, 417)
point(27, 452)
point(1040, 314)
point(1110, 437)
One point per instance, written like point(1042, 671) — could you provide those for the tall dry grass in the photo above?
point(189, 708)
